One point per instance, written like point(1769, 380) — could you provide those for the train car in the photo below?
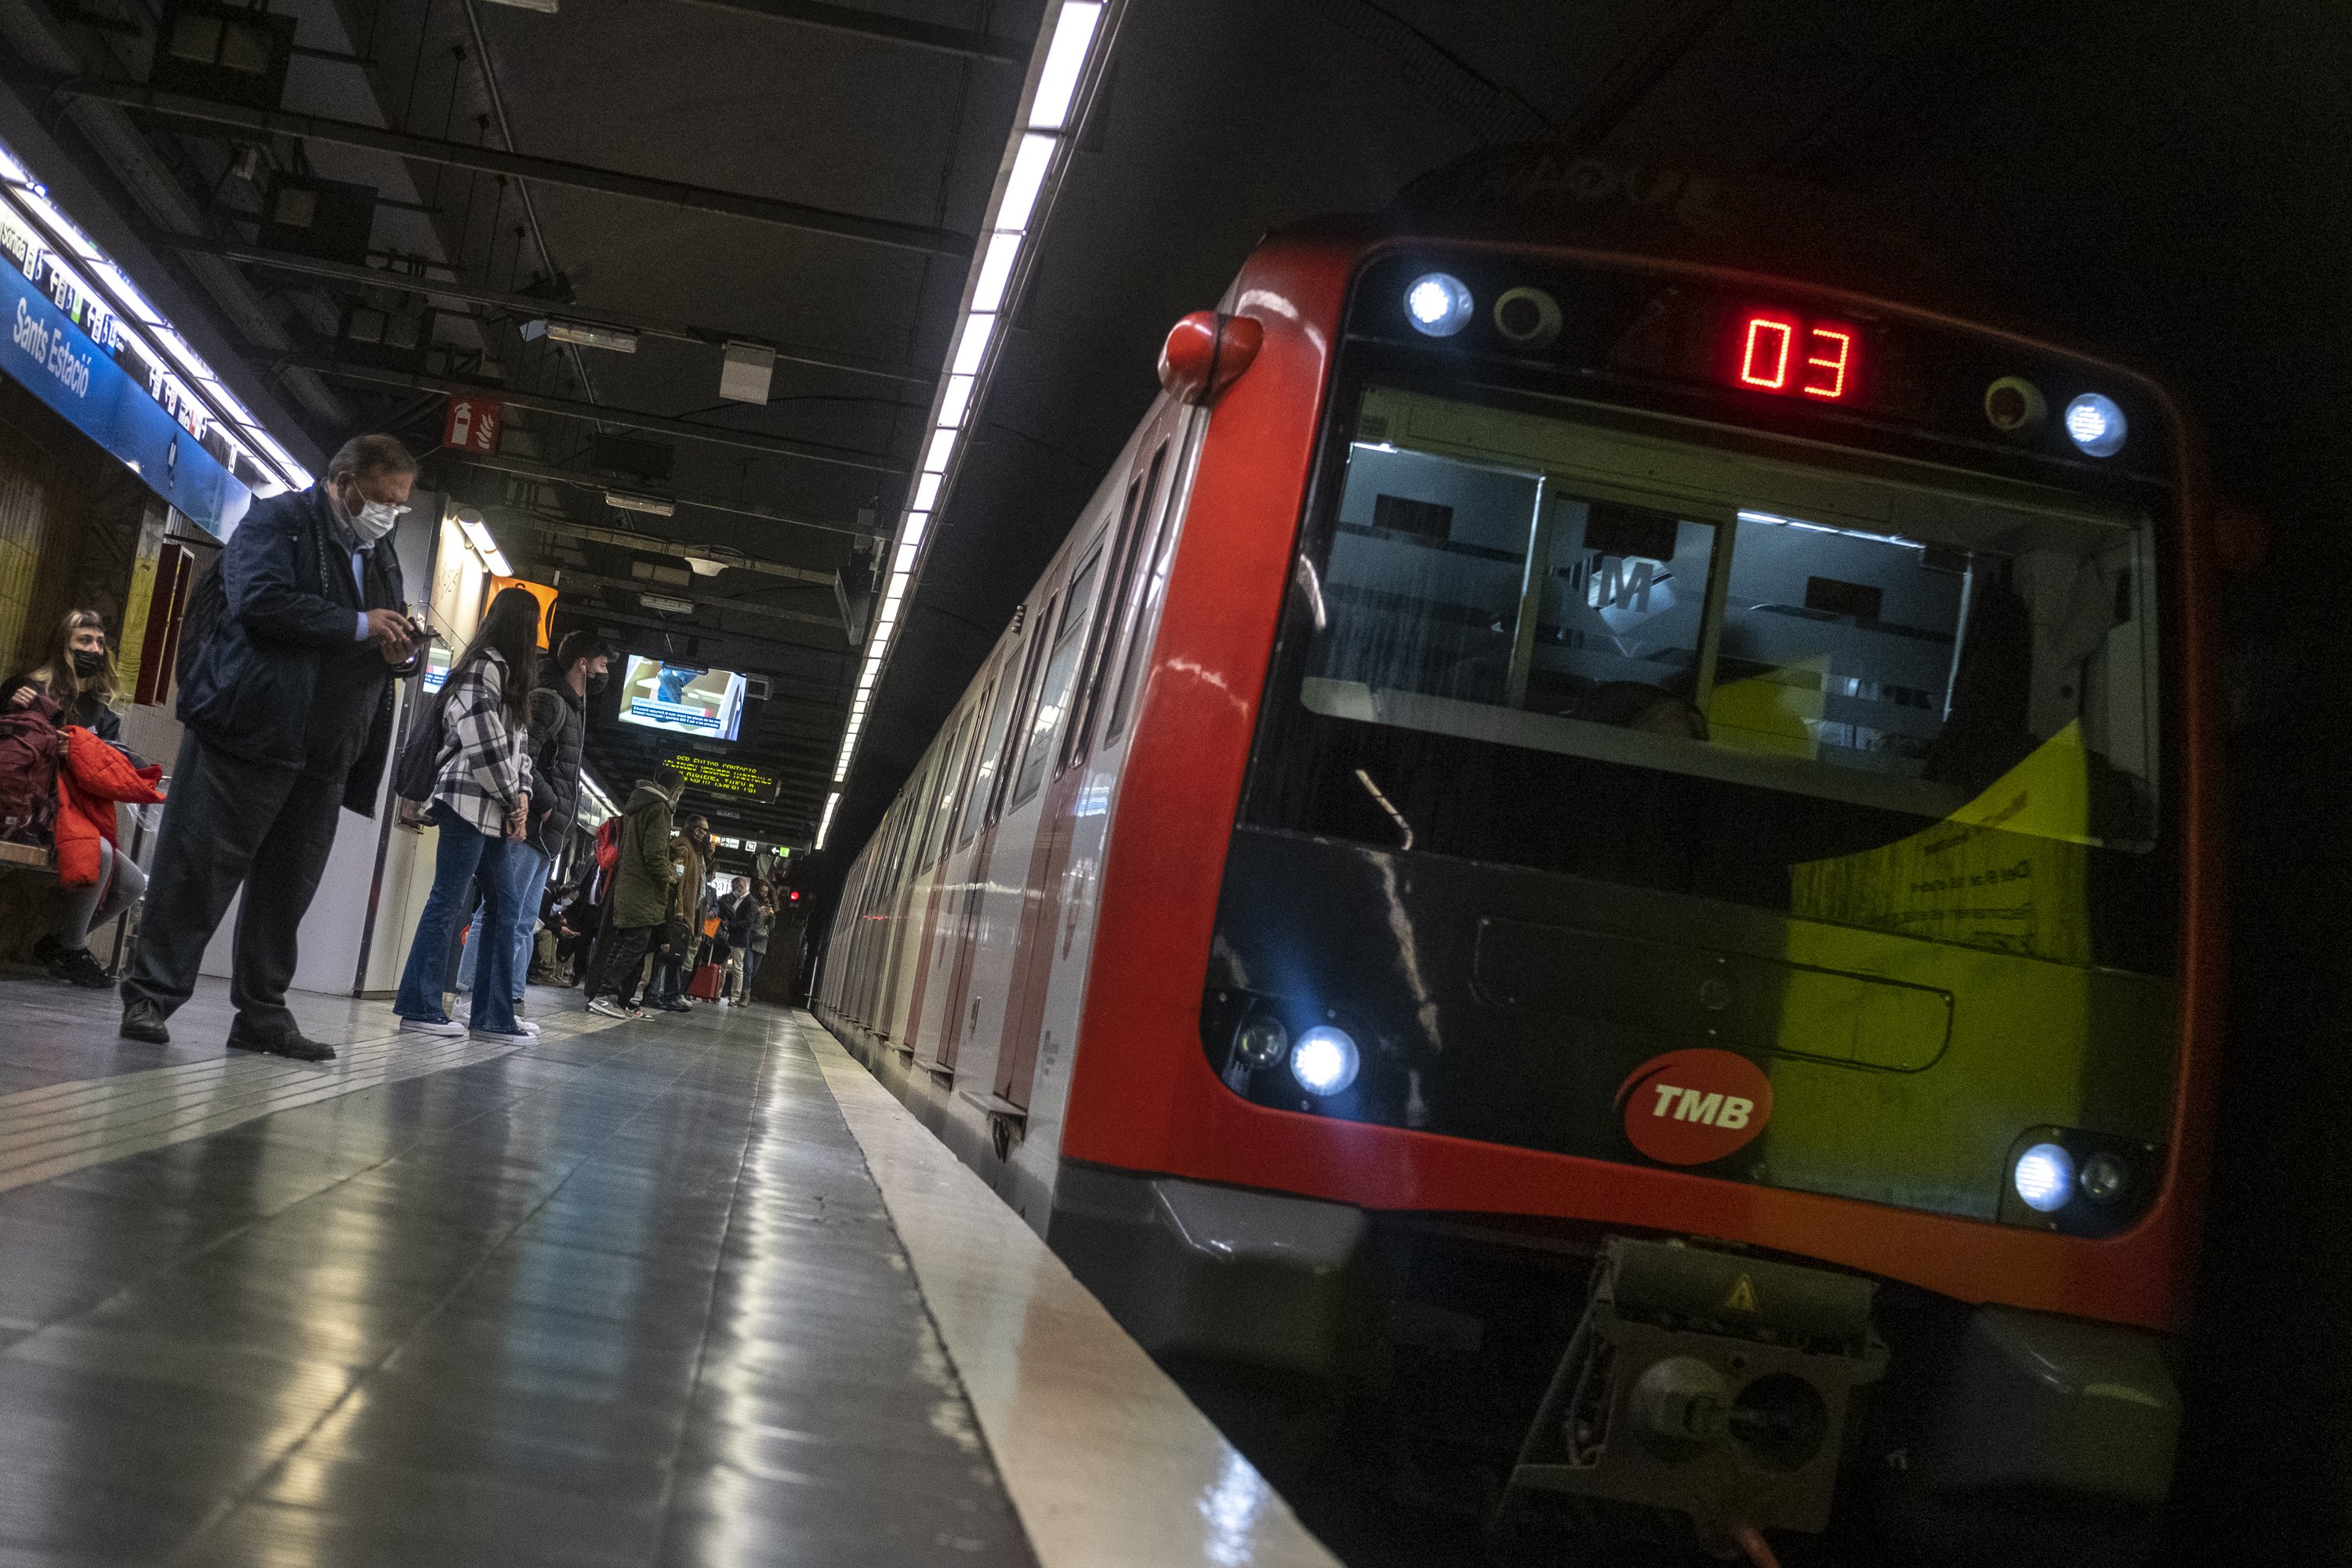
point(1616, 853)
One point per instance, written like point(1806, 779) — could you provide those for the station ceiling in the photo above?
point(856, 147)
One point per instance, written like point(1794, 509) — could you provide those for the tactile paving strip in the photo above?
point(61, 1128)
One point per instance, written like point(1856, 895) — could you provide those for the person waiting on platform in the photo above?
point(642, 876)
point(481, 798)
point(739, 912)
point(690, 894)
point(79, 679)
point(291, 646)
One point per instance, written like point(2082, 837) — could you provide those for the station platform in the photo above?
point(693, 1290)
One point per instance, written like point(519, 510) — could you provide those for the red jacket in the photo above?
point(92, 778)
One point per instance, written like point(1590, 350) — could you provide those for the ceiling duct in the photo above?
point(333, 220)
point(230, 53)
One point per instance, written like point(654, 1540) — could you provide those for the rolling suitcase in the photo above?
point(706, 982)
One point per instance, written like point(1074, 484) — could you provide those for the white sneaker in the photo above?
point(527, 1027)
point(448, 1027)
point(605, 1008)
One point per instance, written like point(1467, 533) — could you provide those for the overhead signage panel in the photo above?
point(725, 778)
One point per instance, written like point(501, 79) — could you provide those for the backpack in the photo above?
point(419, 765)
point(28, 772)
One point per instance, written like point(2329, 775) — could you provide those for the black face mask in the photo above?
point(596, 684)
point(87, 661)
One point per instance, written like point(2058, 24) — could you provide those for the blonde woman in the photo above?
point(79, 677)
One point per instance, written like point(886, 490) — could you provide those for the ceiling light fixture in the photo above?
point(704, 567)
point(663, 605)
point(1071, 46)
point(619, 340)
point(657, 506)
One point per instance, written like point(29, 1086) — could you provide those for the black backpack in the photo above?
point(419, 763)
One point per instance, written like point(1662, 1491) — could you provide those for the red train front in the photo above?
point(1612, 852)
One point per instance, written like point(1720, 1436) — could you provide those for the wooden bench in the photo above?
point(27, 858)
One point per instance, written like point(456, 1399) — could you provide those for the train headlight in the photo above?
point(1262, 1041)
point(1528, 316)
point(2105, 1177)
point(1438, 303)
point(2044, 1178)
point(1325, 1060)
point(2095, 425)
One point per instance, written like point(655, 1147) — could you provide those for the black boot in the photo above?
point(75, 964)
point(143, 1021)
point(46, 950)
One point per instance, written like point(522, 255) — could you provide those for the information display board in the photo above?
point(724, 777)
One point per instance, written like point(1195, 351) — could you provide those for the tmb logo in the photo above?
point(1686, 1108)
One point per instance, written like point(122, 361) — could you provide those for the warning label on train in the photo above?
point(1686, 1108)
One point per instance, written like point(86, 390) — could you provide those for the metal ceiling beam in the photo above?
point(533, 305)
point(550, 474)
point(595, 413)
point(146, 100)
point(665, 591)
point(872, 25)
point(598, 612)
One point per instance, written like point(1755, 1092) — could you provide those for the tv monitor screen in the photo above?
point(682, 699)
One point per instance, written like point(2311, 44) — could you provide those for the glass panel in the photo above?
point(1790, 684)
point(1061, 677)
point(992, 747)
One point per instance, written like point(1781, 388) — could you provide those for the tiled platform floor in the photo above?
point(627, 1295)
point(689, 1290)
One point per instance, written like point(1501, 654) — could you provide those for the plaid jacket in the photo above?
point(485, 761)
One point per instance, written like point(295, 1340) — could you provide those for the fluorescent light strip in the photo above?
point(972, 345)
point(1066, 63)
point(1075, 26)
point(1029, 166)
point(952, 407)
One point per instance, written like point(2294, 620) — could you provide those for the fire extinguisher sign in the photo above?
point(474, 424)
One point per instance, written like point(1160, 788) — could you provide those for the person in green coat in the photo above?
point(641, 888)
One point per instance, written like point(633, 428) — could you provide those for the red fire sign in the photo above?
point(1686, 1108)
point(474, 424)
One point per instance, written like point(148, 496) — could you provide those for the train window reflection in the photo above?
point(1493, 593)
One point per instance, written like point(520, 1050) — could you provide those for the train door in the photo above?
point(963, 1019)
point(1058, 744)
point(904, 932)
point(941, 850)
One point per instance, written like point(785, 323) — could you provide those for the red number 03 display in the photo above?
point(1775, 352)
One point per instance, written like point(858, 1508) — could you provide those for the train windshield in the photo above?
point(1828, 685)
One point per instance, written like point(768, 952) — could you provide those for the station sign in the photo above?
point(67, 348)
point(724, 777)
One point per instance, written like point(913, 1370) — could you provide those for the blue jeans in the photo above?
point(464, 858)
point(527, 868)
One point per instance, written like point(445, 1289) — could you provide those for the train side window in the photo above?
point(1053, 695)
point(1032, 660)
point(981, 768)
point(1123, 581)
point(950, 784)
point(1148, 590)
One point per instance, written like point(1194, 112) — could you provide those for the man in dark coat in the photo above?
point(287, 705)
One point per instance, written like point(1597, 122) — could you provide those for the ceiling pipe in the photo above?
point(873, 24)
point(595, 413)
point(145, 99)
point(717, 602)
point(533, 305)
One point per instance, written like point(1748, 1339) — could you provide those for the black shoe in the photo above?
point(676, 1004)
point(76, 966)
point(48, 950)
point(143, 1021)
point(292, 1043)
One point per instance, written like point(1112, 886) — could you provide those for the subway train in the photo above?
point(1603, 840)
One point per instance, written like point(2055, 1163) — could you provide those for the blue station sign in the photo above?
point(50, 354)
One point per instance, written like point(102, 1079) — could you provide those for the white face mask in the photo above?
point(373, 521)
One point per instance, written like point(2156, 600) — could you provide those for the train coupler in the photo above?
point(1704, 1383)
